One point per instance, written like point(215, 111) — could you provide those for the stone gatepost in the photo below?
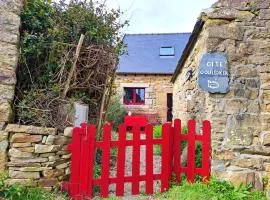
point(9, 39)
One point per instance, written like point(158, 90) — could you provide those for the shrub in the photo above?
point(115, 112)
point(49, 34)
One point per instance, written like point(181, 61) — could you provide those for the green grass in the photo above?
point(18, 192)
point(215, 190)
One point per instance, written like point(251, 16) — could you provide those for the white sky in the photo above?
point(160, 16)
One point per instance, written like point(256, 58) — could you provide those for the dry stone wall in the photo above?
point(37, 156)
point(240, 118)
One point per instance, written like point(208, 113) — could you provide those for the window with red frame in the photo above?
point(134, 96)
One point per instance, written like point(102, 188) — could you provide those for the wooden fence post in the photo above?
point(165, 153)
point(75, 149)
point(88, 160)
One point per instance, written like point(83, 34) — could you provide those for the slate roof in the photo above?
point(143, 53)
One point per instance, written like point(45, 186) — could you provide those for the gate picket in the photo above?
point(165, 156)
point(121, 160)
point(84, 146)
point(136, 161)
point(206, 150)
point(171, 150)
point(191, 151)
point(177, 150)
point(88, 160)
point(149, 160)
point(105, 168)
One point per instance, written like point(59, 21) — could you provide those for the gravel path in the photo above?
point(128, 170)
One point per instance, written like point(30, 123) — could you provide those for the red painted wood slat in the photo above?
point(99, 144)
point(88, 160)
point(105, 168)
point(121, 161)
point(91, 165)
point(171, 151)
point(84, 162)
point(191, 151)
point(206, 150)
point(75, 148)
point(149, 160)
point(165, 150)
point(127, 179)
point(177, 150)
point(136, 161)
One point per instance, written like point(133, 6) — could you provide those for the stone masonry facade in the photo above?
point(156, 89)
point(37, 156)
point(240, 119)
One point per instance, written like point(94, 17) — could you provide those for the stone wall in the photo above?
point(36, 156)
point(9, 38)
point(241, 118)
point(156, 89)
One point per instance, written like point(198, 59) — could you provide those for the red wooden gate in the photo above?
point(84, 146)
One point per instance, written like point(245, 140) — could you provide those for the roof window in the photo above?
point(167, 51)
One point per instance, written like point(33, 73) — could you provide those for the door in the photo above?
point(169, 107)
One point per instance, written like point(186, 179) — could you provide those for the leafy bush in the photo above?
point(46, 26)
point(115, 112)
point(49, 34)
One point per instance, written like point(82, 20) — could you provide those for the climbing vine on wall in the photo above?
point(50, 33)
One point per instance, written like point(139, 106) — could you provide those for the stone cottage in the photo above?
point(144, 74)
point(224, 76)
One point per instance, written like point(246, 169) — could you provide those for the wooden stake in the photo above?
point(72, 70)
point(99, 126)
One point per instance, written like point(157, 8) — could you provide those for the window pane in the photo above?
point(166, 51)
point(139, 95)
point(128, 99)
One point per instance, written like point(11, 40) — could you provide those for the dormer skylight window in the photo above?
point(167, 51)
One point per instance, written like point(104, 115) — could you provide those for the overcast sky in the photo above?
point(160, 16)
